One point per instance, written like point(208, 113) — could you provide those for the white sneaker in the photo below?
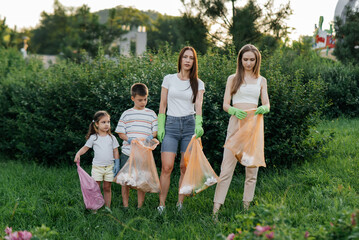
point(179, 206)
point(246, 205)
point(161, 209)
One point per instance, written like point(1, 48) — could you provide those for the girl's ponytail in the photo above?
point(96, 118)
point(92, 130)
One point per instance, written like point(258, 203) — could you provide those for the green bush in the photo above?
point(46, 113)
point(341, 80)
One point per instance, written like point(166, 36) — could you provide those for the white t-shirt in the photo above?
point(179, 98)
point(136, 124)
point(103, 148)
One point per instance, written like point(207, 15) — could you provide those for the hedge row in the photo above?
point(45, 113)
point(341, 80)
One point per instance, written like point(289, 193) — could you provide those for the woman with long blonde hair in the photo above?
point(243, 88)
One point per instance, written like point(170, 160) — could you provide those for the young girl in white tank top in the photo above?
point(244, 89)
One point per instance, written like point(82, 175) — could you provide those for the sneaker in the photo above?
point(215, 218)
point(161, 209)
point(179, 206)
point(108, 210)
point(246, 205)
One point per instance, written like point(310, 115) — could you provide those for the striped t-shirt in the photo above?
point(136, 124)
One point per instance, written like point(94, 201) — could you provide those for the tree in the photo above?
point(69, 31)
point(347, 35)
point(274, 21)
point(164, 30)
point(49, 37)
point(85, 31)
point(243, 24)
point(245, 28)
point(132, 17)
point(178, 32)
point(193, 31)
point(9, 37)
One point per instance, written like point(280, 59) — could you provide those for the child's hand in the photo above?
point(149, 137)
point(77, 158)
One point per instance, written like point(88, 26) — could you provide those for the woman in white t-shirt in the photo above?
point(182, 96)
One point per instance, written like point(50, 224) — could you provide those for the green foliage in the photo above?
point(245, 24)
point(164, 31)
point(47, 112)
point(178, 32)
point(347, 35)
point(245, 27)
point(78, 32)
point(341, 80)
point(345, 226)
point(10, 38)
point(296, 105)
point(71, 32)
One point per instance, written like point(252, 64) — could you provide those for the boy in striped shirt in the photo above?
point(136, 122)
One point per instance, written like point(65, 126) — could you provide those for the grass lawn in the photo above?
point(321, 192)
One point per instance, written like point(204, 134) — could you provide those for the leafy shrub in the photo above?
point(341, 80)
point(345, 227)
point(46, 113)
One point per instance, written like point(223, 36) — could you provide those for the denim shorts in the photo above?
point(178, 129)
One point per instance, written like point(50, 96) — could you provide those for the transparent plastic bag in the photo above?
point(91, 192)
point(140, 171)
point(199, 173)
point(247, 143)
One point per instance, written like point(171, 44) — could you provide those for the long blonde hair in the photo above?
point(239, 76)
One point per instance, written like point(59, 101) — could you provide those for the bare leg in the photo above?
point(125, 191)
point(140, 198)
point(167, 159)
point(107, 193)
point(183, 171)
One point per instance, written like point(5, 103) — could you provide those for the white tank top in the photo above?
point(248, 93)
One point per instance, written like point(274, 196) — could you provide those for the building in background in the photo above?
point(324, 40)
point(341, 8)
point(133, 42)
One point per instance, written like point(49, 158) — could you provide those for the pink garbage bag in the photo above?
point(91, 192)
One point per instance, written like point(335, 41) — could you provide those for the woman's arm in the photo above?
point(163, 102)
point(264, 93)
point(162, 114)
point(227, 94)
point(199, 102)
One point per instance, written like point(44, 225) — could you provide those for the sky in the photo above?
point(25, 13)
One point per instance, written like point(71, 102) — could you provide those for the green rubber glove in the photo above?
point(198, 128)
point(262, 110)
point(161, 126)
point(240, 114)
